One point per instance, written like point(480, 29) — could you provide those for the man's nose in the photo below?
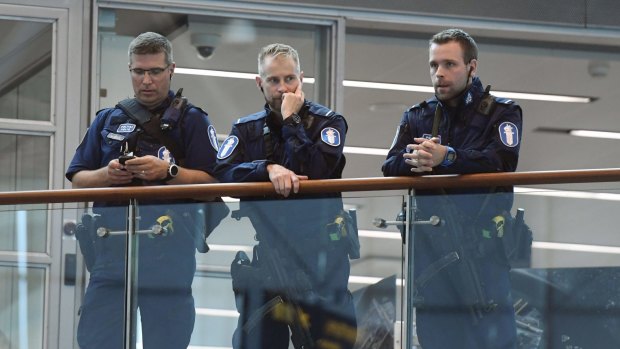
point(282, 88)
point(146, 79)
point(439, 71)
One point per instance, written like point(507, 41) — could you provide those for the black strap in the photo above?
point(436, 121)
point(268, 141)
point(145, 119)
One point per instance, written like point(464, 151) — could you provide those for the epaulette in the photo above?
point(252, 117)
point(504, 100)
point(191, 106)
point(421, 105)
point(317, 109)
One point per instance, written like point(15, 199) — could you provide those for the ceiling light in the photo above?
point(567, 194)
point(581, 133)
point(388, 86)
point(594, 134)
point(217, 312)
point(370, 280)
point(225, 74)
point(575, 247)
point(394, 87)
point(379, 234)
point(365, 151)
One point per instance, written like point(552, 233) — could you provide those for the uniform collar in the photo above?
point(470, 96)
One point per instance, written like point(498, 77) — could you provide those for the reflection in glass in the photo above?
point(22, 291)
point(25, 72)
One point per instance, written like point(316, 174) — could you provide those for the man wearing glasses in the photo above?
point(121, 148)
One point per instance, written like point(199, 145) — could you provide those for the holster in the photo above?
point(86, 235)
point(517, 241)
point(344, 229)
point(459, 248)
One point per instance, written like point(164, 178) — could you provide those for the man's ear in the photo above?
point(473, 67)
point(259, 83)
point(172, 66)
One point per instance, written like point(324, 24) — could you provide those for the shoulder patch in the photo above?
point(213, 137)
point(509, 134)
point(330, 136)
point(126, 128)
point(165, 154)
point(228, 146)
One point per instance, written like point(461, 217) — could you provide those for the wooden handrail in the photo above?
point(310, 187)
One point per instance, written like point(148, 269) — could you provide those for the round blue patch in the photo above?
point(330, 136)
point(213, 137)
point(509, 134)
point(165, 154)
point(229, 144)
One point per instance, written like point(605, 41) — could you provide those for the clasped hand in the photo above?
point(424, 154)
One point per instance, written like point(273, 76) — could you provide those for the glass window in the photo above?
point(25, 73)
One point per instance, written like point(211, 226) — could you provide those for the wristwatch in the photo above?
point(295, 119)
point(173, 171)
point(450, 157)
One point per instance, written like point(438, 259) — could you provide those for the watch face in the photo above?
point(173, 170)
point(296, 118)
point(451, 156)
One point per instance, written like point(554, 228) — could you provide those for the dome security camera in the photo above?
point(205, 44)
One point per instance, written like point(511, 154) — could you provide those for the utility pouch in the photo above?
point(517, 241)
point(86, 235)
point(344, 228)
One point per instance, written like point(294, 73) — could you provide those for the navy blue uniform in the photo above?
point(295, 228)
point(486, 139)
point(166, 264)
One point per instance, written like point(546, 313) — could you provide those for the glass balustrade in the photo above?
point(301, 258)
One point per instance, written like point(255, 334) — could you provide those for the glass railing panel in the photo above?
point(25, 226)
point(24, 275)
point(305, 272)
point(563, 295)
point(569, 297)
point(101, 233)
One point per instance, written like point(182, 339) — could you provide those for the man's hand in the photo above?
point(292, 102)
point(425, 154)
point(149, 168)
point(284, 179)
point(116, 174)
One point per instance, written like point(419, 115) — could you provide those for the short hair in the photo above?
point(470, 49)
point(151, 43)
point(275, 50)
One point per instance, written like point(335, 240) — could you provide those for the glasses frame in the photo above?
point(140, 73)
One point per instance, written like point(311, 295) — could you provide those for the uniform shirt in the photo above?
point(111, 128)
point(312, 148)
point(484, 142)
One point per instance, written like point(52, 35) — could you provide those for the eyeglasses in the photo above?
point(153, 72)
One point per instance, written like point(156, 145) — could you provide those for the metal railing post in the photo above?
point(131, 276)
point(410, 219)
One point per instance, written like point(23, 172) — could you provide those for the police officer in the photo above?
point(166, 263)
point(475, 132)
point(292, 139)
